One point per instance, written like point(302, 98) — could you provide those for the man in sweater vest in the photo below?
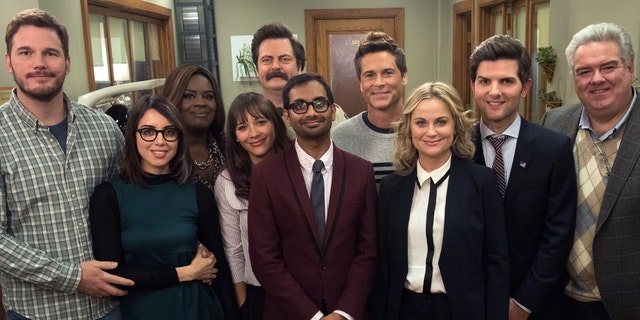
point(605, 130)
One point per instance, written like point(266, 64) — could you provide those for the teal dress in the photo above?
point(156, 231)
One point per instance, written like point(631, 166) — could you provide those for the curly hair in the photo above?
point(406, 155)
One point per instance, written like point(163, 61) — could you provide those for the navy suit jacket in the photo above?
point(474, 258)
point(296, 268)
point(616, 247)
point(540, 210)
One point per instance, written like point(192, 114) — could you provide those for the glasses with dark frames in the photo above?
point(170, 134)
point(301, 106)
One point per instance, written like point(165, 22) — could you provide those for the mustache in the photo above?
point(277, 74)
point(312, 119)
point(40, 74)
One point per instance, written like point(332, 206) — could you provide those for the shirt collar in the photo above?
point(306, 161)
point(512, 131)
point(29, 117)
point(586, 124)
point(423, 175)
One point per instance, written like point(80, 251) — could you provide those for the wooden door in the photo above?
point(332, 38)
point(462, 49)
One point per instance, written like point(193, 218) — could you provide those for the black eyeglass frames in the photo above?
point(301, 106)
point(169, 134)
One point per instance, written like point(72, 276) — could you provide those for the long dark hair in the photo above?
point(176, 84)
point(238, 163)
point(130, 166)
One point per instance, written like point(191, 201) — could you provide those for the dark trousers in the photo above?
point(586, 310)
point(571, 309)
point(418, 306)
point(254, 304)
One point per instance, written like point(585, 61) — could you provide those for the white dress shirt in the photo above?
point(416, 239)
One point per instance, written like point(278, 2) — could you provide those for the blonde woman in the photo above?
point(441, 238)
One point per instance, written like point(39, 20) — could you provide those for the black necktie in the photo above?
point(498, 163)
point(431, 208)
point(317, 196)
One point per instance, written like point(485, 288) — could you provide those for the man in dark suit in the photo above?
point(536, 169)
point(604, 264)
point(312, 266)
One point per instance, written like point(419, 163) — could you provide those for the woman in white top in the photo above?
point(254, 131)
point(442, 248)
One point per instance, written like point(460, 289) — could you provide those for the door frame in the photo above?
point(310, 17)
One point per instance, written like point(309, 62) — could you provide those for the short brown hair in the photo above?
point(277, 30)
point(501, 47)
point(37, 18)
point(377, 41)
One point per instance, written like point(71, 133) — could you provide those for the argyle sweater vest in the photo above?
point(593, 161)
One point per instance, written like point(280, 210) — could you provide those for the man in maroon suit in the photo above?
point(315, 261)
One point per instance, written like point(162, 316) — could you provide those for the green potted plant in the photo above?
point(546, 59)
point(245, 68)
point(550, 99)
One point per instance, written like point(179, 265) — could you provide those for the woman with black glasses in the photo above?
point(150, 219)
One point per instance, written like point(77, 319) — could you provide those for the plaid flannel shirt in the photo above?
point(44, 209)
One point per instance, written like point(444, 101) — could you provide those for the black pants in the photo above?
point(420, 306)
point(254, 304)
point(576, 310)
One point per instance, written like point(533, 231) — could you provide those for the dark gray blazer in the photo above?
point(616, 247)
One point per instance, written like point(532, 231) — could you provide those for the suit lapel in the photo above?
point(626, 159)
point(337, 192)
point(296, 179)
point(400, 219)
point(477, 140)
point(569, 122)
point(458, 182)
point(522, 157)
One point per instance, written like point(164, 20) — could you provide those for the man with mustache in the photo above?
point(278, 56)
point(312, 216)
point(53, 152)
point(382, 71)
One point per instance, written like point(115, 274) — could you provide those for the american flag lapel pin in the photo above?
point(523, 164)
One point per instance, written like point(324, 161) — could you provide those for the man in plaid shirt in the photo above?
point(53, 152)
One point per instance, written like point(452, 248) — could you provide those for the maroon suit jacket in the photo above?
point(297, 269)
